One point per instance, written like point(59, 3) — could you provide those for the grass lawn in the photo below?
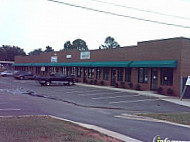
point(182, 118)
point(46, 129)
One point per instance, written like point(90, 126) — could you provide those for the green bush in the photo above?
point(160, 90)
point(130, 85)
point(138, 87)
point(91, 82)
point(122, 84)
point(95, 82)
point(102, 83)
point(116, 85)
point(169, 91)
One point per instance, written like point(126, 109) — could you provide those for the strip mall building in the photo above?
point(151, 65)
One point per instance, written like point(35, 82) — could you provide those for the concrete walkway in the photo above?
point(171, 99)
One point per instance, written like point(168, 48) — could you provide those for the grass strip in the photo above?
point(46, 129)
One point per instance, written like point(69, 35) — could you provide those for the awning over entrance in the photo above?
point(111, 64)
point(23, 64)
point(73, 64)
point(162, 63)
point(80, 64)
point(165, 63)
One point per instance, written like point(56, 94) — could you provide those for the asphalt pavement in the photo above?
point(112, 109)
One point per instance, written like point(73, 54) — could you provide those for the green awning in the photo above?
point(111, 64)
point(68, 64)
point(23, 64)
point(77, 64)
point(80, 64)
point(165, 63)
point(39, 64)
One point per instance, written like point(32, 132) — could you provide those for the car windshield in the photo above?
point(57, 74)
point(7, 71)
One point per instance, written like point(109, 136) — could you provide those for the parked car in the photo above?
point(7, 73)
point(24, 75)
point(55, 79)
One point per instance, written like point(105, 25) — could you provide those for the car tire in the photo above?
point(21, 78)
point(70, 83)
point(42, 84)
point(47, 83)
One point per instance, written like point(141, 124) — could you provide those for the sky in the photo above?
point(33, 24)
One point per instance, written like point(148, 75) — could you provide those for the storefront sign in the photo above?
point(85, 55)
point(43, 69)
point(188, 81)
point(187, 85)
point(54, 59)
point(68, 56)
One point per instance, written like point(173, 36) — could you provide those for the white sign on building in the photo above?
point(188, 81)
point(68, 56)
point(85, 55)
point(54, 59)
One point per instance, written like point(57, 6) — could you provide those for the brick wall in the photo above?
point(167, 49)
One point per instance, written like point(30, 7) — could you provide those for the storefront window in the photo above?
point(120, 74)
point(38, 70)
point(91, 73)
point(143, 75)
point(68, 71)
point(52, 70)
point(106, 73)
point(73, 71)
point(79, 72)
point(166, 76)
point(128, 74)
point(98, 73)
point(64, 71)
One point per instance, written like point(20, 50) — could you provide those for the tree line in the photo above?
point(7, 52)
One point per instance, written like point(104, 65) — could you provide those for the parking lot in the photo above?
point(110, 108)
point(95, 97)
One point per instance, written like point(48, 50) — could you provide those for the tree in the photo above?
point(68, 45)
point(8, 53)
point(77, 44)
point(80, 44)
point(36, 52)
point(49, 49)
point(109, 43)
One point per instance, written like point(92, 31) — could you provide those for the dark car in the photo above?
point(55, 79)
point(24, 75)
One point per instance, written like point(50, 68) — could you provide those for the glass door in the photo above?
point(113, 77)
point(154, 79)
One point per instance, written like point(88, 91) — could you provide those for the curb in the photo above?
point(145, 118)
point(101, 130)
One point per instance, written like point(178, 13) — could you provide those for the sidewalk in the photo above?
point(171, 99)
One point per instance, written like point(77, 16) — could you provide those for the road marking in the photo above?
point(101, 93)
point(100, 98)
point(81, 91)
point(9, 109)
point(135, 117)
point(134, 101)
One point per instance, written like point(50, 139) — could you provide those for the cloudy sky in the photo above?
point(33, 24)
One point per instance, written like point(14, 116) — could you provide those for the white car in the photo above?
point(7, 73)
